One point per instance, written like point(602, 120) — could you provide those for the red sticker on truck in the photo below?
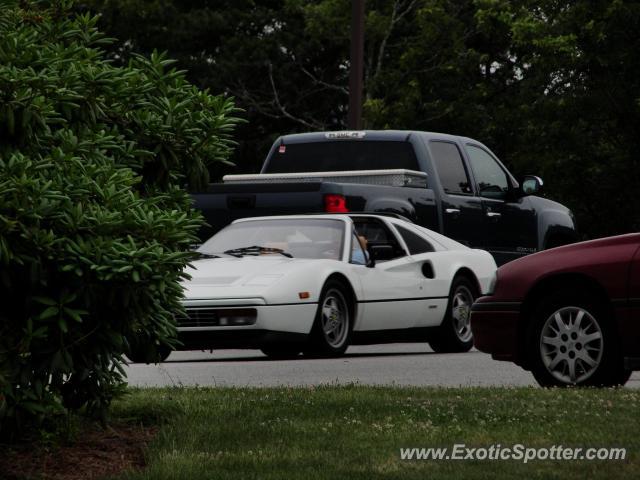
point(282, 149)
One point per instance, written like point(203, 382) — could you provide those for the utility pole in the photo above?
point(356, 72)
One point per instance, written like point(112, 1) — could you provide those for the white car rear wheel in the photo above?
point(454, 334)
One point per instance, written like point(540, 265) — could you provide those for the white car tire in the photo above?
point(331, 332)
point(454, 334)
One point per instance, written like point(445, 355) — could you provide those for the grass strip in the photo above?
point(356, 432)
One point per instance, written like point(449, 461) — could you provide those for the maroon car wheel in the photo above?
point(570, 343)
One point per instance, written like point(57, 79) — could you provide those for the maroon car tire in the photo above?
point(571, 342)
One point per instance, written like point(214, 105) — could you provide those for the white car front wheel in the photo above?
point(332, 327)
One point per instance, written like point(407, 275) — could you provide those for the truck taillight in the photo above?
point(335, 203)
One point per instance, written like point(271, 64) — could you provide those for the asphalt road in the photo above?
point(397, 364)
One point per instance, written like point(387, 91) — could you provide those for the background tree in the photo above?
point(268, 54)
point(551, 87)
point(95, 226)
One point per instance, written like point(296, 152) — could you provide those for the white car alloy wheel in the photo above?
point(335, 318)
point(454, 334)
point(462, 300)
point(571, 345)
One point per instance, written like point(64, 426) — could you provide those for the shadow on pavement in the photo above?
point(346, 356)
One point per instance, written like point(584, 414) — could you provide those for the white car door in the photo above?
point(396, 292)
point(395, 295)
point(432, 264)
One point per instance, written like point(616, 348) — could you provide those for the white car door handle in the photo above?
point(493, 214)
point(452, 210)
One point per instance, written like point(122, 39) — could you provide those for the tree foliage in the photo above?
point(95, 226)
point(278, 58)
point(552, 87)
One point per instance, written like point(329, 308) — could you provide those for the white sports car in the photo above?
point(318, 283)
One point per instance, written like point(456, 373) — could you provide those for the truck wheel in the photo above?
point(331, 331)
point(454, 334)
point(570, 343)
point(281, 351)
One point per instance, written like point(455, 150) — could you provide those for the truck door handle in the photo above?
point(493, 214)
point(452, 210)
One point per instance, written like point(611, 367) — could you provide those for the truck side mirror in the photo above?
point(531, 185)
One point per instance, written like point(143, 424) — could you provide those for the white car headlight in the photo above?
point(263, 280)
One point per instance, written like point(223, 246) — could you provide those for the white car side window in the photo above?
point(359, 255)
point(415, 243)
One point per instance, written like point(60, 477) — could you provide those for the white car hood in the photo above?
point(249, 276)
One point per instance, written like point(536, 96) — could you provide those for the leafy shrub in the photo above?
point(95, 225)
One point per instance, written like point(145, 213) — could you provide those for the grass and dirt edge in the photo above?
point(354, 431)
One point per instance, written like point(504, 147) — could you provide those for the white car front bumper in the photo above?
point(220, 315)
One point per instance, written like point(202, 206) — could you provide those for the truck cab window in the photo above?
point(342, 155)
point(492, 179)
point(451, 170)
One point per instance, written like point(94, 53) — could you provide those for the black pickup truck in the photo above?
point(453, 185)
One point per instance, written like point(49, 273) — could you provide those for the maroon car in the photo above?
point(571, 314)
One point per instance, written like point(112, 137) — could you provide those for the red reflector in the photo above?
point(335, 204)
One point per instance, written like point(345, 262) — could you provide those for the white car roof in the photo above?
point(335, 216)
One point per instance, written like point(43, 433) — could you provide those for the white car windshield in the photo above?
point(298, 238)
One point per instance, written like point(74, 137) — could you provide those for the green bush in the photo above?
point(95, 224)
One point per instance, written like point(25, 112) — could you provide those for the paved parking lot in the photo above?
point(399, 364)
